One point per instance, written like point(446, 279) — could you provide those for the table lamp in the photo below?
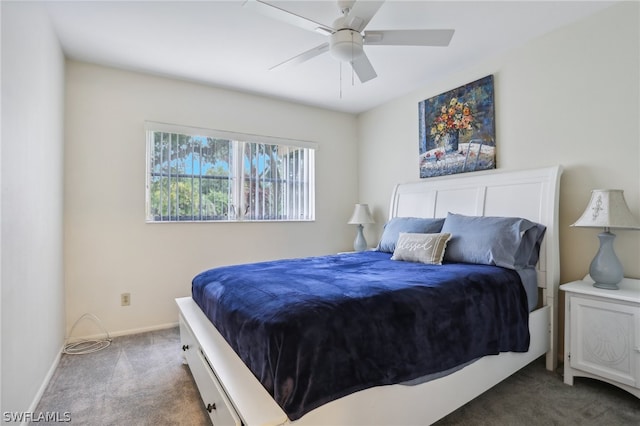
point(360, 216)
point(607, 209)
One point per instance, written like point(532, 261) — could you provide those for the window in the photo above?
point(209, 175)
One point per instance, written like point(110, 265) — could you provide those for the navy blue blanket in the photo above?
point(316, 329)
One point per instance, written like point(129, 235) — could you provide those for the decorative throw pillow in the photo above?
point(424, 248)
point(395, 226)
point(509, 242)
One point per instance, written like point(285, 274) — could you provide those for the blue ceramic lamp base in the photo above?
point(360, 244)
point(606, 269)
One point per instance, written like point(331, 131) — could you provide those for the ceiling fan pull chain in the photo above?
point(352, 71)
point(340, 65)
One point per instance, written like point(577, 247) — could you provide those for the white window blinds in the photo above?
point(206, 175)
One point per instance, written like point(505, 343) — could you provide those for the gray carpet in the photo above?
point(140, 380)
point(137, 380)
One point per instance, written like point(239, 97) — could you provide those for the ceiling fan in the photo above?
point(347, 36)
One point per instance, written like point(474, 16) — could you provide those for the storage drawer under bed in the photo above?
point(213, 396)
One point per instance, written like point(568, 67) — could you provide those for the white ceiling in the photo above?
point(223, 44)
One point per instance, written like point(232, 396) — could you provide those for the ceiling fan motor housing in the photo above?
point(346, 44)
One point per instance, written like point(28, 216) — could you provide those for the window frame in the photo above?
point(239, 141)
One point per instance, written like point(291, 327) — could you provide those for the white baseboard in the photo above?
point(143, 329)
point(45, 383)
point(128, 331)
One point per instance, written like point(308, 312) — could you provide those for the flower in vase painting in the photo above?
point(454, 116)
point(456, 130)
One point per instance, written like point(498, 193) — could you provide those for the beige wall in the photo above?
point(32, 167)
point(109, 249)
point(571, 97)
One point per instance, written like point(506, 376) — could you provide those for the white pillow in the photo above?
point(424, 248)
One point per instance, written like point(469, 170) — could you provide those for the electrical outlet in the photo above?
point(125, 299)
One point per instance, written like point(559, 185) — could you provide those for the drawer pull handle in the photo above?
point(185, 347)
point(211, 407)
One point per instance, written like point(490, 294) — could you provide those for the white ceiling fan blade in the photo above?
point(363, 68)
point(361, 13)
point(409, 37)
point(283, 15)
point(304, 56)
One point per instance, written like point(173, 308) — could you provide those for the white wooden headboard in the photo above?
point(530, 194)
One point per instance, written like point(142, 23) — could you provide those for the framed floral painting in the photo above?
point(457, 130)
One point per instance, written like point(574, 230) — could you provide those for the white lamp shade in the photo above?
point(361, 214)
point(607, 209)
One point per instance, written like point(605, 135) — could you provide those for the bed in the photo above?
point(231, 389)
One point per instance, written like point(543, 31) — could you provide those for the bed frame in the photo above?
point(233, 395)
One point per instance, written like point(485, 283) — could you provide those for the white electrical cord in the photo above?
point(86, 346)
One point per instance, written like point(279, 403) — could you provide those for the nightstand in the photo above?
point(602, 333)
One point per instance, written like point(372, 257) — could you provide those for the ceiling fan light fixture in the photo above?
point(346, 45)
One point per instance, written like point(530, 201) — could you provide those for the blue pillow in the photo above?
point(412, 225)
point(509, 242)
